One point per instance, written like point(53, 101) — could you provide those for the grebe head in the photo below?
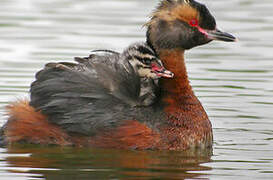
point(145, 62)
point(183, 24)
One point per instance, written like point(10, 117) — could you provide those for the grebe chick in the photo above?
point(145, 64)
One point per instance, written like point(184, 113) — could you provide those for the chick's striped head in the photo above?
point(144, 60)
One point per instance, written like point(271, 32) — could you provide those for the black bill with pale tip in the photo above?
point(220, 36)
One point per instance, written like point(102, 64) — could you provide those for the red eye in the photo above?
point(194, 22)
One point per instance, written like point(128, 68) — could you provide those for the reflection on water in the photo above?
point(234, 81)
point(54, 163)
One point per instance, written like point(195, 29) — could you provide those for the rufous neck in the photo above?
point(173, 60)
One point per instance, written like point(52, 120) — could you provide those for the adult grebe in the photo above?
point(83, 113)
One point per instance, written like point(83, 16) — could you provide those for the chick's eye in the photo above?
point(193, 22)
point(147, 62)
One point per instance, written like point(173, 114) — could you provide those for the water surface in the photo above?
point(234, 81)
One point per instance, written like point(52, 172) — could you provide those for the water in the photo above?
point(234, 81)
